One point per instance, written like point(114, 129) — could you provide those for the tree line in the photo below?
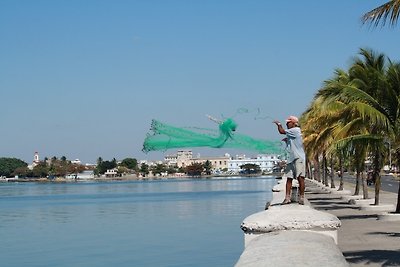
point(61, 167)
point(54, 167)
point(194, 169)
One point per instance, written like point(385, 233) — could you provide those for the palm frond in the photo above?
point(380, 14)
point(370, 115)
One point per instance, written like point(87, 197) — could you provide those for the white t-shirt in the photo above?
point(295, 144)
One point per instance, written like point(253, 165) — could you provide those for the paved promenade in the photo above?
point(363, 239)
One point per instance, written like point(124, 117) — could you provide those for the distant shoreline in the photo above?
point(132, 178)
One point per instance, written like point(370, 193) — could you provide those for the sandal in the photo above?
point(301, 200)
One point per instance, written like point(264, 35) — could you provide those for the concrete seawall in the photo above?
point(290, 235)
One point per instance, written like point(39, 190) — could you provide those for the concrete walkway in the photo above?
point(363, 239)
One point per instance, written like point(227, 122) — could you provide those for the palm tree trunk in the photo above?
point(317, 173)
point(377, 175)
point(308, 169)
point(324, 170)
point(332, 174)
point(398, 200)
point(364, 186)
point(398, 191)
point(341, 172)
point(377, 188)
point(357, 189)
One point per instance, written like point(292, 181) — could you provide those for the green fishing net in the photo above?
point(163, 137)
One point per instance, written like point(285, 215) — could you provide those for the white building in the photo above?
point(266, 162)
point(83, 175)
point(171, 160)
point(218, 164)
point(181, 159)
point(185, 158)
point(35, 162)
point(111, 173)
point(76, 161)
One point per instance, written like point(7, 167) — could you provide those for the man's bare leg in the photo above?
point(302, 187)
point(288, 191)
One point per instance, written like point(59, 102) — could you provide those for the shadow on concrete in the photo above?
point(326, 199)
point(389, 234)
point(334, 207)
point(382, 257)
point(316, 192)
point(325, 203)
point(357, 217)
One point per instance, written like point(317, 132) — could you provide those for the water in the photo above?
point(193, 222)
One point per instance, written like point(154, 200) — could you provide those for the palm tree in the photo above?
point(372, 101)
point(374, 17)
point(393, 78)
point(361, 110)
point(207, 167)
point(358, 103)
point(309, 128)
point(389, 10)
point(369, 74)
point(322, 121)
point(314, 139)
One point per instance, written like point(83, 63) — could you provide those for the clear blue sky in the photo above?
point(84, 78)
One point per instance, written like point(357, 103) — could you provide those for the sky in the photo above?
point(84, 79)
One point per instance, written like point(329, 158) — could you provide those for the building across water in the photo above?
point(224, 163)
point(267, 163)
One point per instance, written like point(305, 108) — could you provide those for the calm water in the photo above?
point(150, 223)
